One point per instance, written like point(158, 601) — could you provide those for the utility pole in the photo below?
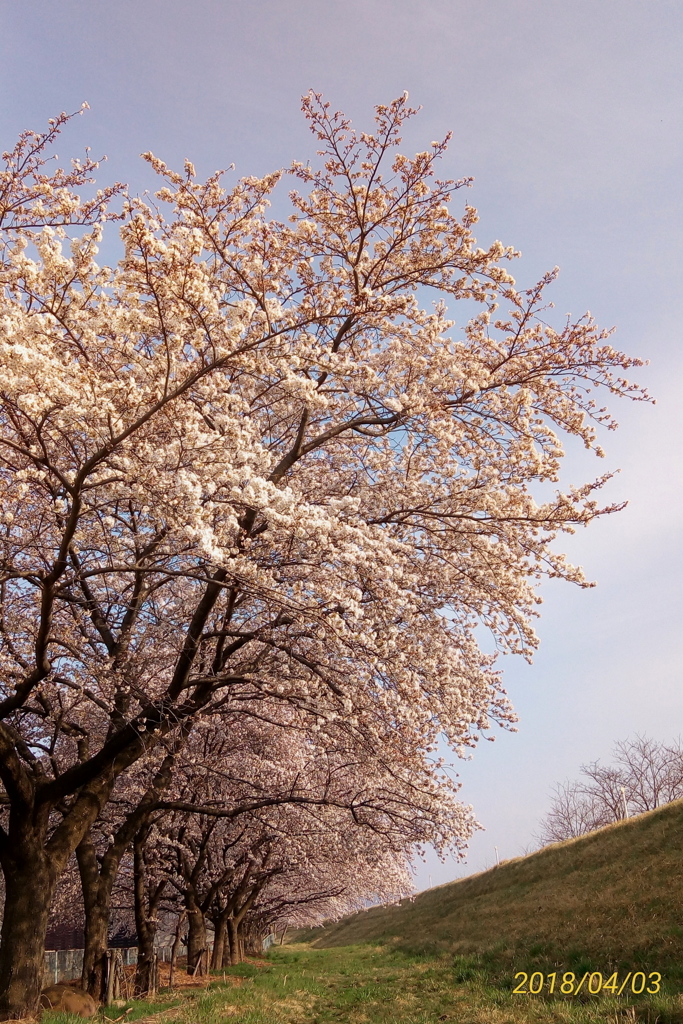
point(497, 857)
point(623, 797)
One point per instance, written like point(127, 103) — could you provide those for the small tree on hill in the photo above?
point(645, 774)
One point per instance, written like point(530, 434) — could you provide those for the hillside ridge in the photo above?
point(611, 898)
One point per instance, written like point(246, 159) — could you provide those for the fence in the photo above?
point(67, 964)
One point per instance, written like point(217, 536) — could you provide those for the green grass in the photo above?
point(370, 984)
point(609, 901)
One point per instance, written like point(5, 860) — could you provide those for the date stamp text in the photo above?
point(592, 982)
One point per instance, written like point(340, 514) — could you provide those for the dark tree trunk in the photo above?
point(97, 889)
point(32, 860)
point(146, 906)
point(144, 972)
point(196, 931)
point(233, 938)
point(30, 878)
point(97, 880)
point(220, 939)
point(235, 921)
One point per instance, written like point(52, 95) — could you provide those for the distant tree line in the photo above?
point(644, 775)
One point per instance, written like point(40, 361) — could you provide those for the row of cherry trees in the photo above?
point(242, 834)
point(256, 499)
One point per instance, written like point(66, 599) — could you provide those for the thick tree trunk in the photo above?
point(219, 940)
point(146, 906)
point(97, 890)
point(32, 863)
point(94, 976)
point(30, 879)
point(144, 979)
point(233, 938)
point(97, 882)
point(196, 931)
point(144, 972)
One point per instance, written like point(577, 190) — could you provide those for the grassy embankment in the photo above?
point(612, 901)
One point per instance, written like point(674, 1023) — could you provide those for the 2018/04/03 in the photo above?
point(595, 983)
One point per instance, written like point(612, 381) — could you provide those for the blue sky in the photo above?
point(569, 117)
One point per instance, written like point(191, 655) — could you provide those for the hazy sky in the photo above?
point(568, 114)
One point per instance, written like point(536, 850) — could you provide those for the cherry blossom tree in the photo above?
point(247, 467)
point(296, 860)
point(234, 765)
point(327, 873)
point(248, 794)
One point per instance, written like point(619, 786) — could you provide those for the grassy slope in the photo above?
point(610, 899)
